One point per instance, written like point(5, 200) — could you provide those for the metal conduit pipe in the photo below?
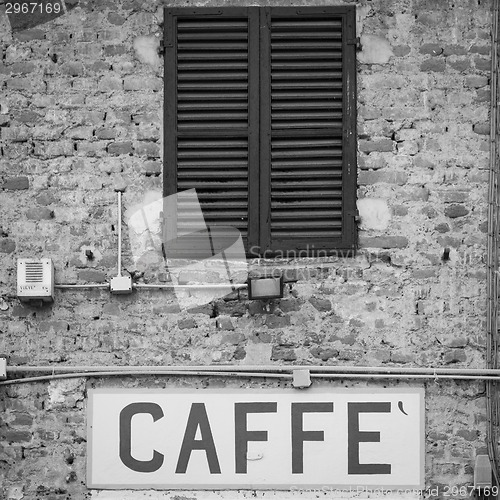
point(492, 411)
point(244, 374)
point(340, 370)
point(158, 286)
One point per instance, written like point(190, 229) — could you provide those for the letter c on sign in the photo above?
point(126, 437)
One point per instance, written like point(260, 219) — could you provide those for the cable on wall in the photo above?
point(492, 403)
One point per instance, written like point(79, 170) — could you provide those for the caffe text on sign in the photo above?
point(255, 438)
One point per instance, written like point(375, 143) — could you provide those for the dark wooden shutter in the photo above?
point(208, 117)
point(308, 125)
point(260, 120)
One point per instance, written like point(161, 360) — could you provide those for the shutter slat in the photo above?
point(210, 196)
point(305, 65)
point(304, 35)
point(326, 105)
point(289, 25)
point(307, 234)
point(301, 215)
point(303, 195)
point(210, 105)
point(302, 96)
point(305, 183)
point(311, 174)
point(307, 75)
point(213, 86)
point(306, 153)
point(311, 224)
point(212, 96)
point(188, 184)
point(213, 154)
point(305, 165)
point(306, 55)
point(307, 114)
point(225, 25)
point(214, 116)
point(196, 37)
point(220, 144)
point(203, 46)
point(212, 66)
point(211, 174)
point(212, 75)
point(318, 45)
point(220, 55)
point(309, 204)
point(309, 85)
point(297, 143)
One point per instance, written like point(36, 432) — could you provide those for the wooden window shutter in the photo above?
point(308, 161)
point(260, 120)
point(211, 127)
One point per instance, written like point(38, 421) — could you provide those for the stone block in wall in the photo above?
point(7, 245)
point(368, 177)
point(16, 183)
point(120, 148)
point(434, 65)
point(433, 49)
point(40, 213)
point(476, 81)
point(321, 304)
point(455, 356)
point(381, 145)
point(383, 241)
point(455, 211)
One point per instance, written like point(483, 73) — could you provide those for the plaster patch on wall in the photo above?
point(146, 50)
point(144, 225)
point(15, 493)
point(65, 392)
point(375, 50)
point(362, 12)
point(257, 353)
point(374, 212)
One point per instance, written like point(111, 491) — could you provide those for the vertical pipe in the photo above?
point(492, 255)
point(119, 233)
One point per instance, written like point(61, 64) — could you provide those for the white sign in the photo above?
point(255, 438)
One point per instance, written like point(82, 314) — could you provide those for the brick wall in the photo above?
point(81, 118)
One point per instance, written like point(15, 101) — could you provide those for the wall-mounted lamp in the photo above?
point(262, 288)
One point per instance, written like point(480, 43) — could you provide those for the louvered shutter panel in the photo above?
point(208, 118)
point(310, 130)
point(260, 120)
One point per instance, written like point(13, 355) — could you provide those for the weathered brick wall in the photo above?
point(81, 117)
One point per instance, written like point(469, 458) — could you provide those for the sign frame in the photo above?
point(322, 390)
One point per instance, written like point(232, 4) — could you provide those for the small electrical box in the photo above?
point(482, 473)
point(121, 284)
point(35, 280)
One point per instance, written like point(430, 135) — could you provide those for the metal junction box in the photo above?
point(35, 280)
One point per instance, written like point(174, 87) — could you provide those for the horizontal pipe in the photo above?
point(371, 370)
point(154, 286)
point(172, 286)
point(146, 373)
point(90, 285)
point(200, 373)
